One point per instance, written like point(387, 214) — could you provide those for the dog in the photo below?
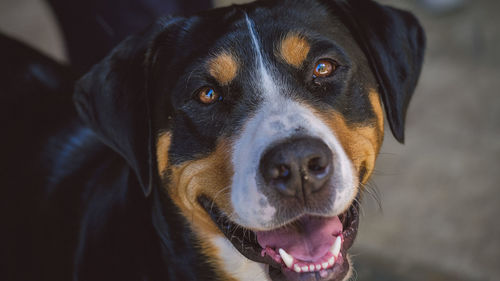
point(231, 145)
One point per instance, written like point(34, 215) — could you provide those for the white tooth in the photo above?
point(311, 267)
point(324, 265)
point(305, 268)
point(318, 266)
point(297, 268)
point(336, 246)
point(287, 259)
point(331, 261)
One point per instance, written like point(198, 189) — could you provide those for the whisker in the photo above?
point(373, 191)
point(216, 195)
point(361, 208)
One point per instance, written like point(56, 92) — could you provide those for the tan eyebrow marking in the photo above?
point(223, 67)
point(294, 49)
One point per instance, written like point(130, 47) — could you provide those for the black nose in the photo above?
point(298, 166)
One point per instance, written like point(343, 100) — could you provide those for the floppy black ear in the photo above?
point(394, 43)
point(113, 100)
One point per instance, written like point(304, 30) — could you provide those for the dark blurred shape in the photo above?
point(91, 28)
point(35, 99)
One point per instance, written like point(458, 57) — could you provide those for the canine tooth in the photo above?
point(324, 265)
point(297, 268)
point(287, 259)
point(318, 266)
point(305, 268)
point(331, 261)
point(311, 267)
point(336, 246)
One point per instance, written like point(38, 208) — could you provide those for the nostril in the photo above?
point(317, 164)
point(280, 172)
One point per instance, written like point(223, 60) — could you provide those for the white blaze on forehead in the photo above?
point(278, 118)
point(268, 85)
point(257, 211)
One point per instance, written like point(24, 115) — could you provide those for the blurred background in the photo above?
point(439, 193)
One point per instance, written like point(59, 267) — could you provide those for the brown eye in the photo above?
point(324, 68)
point(208, 95)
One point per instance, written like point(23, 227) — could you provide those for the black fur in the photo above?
point(82, 198)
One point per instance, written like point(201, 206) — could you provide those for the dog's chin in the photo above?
point(329, 263)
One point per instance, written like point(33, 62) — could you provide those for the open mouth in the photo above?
point(309, 248)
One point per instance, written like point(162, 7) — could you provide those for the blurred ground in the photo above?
point(439, 192)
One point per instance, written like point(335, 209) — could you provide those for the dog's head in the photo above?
point(261, 122)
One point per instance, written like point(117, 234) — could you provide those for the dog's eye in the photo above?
point(208, 95)
point(324, 68)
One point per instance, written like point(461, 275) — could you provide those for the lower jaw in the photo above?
point(246, 243)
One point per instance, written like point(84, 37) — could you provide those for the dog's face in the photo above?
point(265, 120)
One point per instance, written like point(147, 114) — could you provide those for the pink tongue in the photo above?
point(307, 240)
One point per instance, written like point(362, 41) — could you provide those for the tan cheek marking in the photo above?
point(223, 68)
point(162, 146)
point(361, 143)
point(210, 176)
point(294, 49)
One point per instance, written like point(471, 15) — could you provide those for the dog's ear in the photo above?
point(394, 43)
point(113, 99)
